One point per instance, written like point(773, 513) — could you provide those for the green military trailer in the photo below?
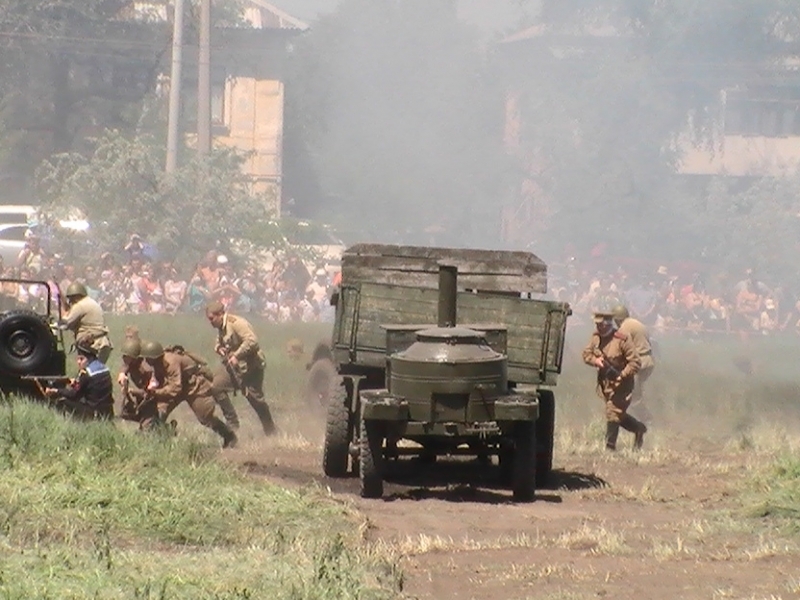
point(443, 352)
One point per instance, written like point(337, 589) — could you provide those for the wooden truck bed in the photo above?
point(418, 266)
point(535, 329)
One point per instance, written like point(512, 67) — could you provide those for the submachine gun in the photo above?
point(608, 371)
point(47, 381)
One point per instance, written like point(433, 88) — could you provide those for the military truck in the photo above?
point(443, 352)
point(31, 342)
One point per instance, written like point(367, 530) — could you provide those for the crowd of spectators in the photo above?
point(132, 282)
point(691, 302)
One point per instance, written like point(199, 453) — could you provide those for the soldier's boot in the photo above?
point(637, 428)
point(229, 439)
point(225, 404)
point(612, 431)
point(264, 415)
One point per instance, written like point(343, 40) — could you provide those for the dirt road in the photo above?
point(662, 524)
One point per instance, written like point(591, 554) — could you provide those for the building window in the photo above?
point(766, 117)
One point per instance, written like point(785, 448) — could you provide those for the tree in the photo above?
point(72, 68)
point(122, 189)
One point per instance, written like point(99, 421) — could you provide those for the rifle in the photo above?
point(236, 377)
point(608, 370)
point(45, 381)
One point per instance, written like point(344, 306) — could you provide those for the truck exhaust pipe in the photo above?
point(448, 292)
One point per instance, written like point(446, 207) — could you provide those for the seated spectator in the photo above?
point(768, 321)
point(748, 307)
point(174, 289)
point(319, 287)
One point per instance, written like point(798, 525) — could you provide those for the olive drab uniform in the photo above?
point(136, 406)
point(178, 381)
point(615, 381)
point(204, 370)
point(637, 332)
point(236, 338)
point(85, 320)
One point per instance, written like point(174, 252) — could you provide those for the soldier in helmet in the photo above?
point(84, 318)
point(616, 359)
point(243, 362)
point(637, 332)
point(134, 379)
point(89, 396)
point(175, 380)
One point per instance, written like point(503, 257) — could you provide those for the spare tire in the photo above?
point(26, 342)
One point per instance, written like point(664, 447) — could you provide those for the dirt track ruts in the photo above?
point(614, 526)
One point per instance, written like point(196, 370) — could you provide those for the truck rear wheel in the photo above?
point(524, 465)
point(545, 431)
point(371, 458)
point(338, 433)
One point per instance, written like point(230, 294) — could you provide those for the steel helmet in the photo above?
point(76, 288)
point(151, 349)
point(132, 348)
point(620, 313)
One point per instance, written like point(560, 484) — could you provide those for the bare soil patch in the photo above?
point(657, 525)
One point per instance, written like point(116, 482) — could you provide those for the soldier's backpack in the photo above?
point(200, 363)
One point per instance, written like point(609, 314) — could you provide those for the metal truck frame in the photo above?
point(387, 295)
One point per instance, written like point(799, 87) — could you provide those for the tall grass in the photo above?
point(91, 511)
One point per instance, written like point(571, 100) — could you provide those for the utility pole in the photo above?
point(173, 123)
point(204, 81)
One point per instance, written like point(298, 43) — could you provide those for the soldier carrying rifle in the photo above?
point(134, 380)
point(616, 359)
point(242, 363)
point(176, 379)
point(88, 397)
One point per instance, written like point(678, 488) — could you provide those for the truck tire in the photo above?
point(545, 432)
point(338, 433)
point(371, 459)
point(524, 469)
point(26, 342)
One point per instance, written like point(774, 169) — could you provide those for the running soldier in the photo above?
point(637, 332)
point(614, 356)
point(242, 365)
point(175, 380)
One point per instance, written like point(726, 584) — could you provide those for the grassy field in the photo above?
point(100, 511)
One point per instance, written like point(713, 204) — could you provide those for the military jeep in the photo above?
point(443, 352)
point(31, 342)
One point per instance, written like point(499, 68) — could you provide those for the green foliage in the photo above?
point(780, 492)
point(71, 68)
point(90, 510)
point(122, 188)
